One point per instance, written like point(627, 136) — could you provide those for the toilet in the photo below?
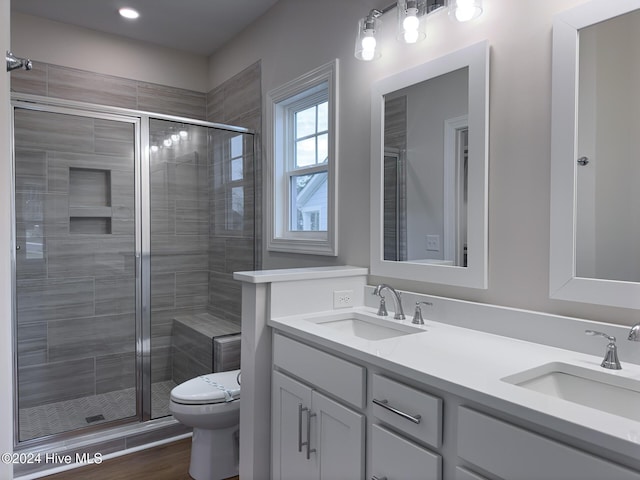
point(211, 405)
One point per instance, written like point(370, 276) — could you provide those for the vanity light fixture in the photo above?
point(465, 10)
point(411, 22)
point(128, 13)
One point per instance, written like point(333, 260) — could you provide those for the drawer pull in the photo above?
point(378, 478)
point(385, 404)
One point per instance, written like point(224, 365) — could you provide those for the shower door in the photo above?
point(76, 268)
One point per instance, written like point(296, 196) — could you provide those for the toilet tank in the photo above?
point(226, 353)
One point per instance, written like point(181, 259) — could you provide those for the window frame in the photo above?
point(303, 92)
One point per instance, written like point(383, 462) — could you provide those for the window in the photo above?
point(301, 150)
point(234, 156)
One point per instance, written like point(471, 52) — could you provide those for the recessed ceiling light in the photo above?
point(129, 13)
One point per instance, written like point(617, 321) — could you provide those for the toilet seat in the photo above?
point(221, 387)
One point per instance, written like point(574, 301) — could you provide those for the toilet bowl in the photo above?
point(211, 405)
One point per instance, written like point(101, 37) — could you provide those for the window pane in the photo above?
point(235, 214)
point(323, 148)
point(236, 169)
point(309, 202)
point(323, 117)
point(306, 122)
point(236, 146)
point(306, 152)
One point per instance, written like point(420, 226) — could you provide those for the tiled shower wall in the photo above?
point(176, 287)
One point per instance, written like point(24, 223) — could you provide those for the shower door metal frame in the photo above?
point(137, 164)
point(142, 203)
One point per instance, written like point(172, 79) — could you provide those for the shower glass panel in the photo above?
point(76, 285)
point(202, 230)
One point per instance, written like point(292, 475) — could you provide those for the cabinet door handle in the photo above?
point(385, 404)
point(300, 410)
point(308, 442)
point(378, 478)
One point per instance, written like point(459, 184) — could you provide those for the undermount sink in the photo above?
point(603, 391)
point(366, 327)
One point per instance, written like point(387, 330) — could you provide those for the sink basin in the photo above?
point(366, 327)
point(603, 391)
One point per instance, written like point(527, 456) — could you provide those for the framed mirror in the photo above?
point(595, 164)
point(429, 131)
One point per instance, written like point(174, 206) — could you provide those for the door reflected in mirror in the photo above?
point(426, 171)
point(608, 170)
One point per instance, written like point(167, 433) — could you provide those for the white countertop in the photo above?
point(471, 364)
point(296, 274)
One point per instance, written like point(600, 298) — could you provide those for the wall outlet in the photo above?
point(433, 243)
point(342, 298)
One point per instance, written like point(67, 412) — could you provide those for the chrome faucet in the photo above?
point(382, 311)
point(611, 355)
point(417, 316)
point(634, 333)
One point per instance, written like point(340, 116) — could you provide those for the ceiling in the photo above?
point(196, 26)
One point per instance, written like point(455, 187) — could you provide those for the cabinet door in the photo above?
point(288, 428)
point(339, 439)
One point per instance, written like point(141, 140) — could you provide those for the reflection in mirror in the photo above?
point(607, 178)
point(429, 171)
point(595, 169)
point(425, 171)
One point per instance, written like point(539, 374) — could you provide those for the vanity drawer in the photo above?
point(407, 410)
point(394, 457)
point(515, 453)
point(339, 377)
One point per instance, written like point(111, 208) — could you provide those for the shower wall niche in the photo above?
point(90, 201)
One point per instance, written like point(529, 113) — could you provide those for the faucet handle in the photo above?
point(382, 309)
point(610, 360)
point(634, 333)
point(417, 316)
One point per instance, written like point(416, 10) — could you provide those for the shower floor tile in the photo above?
point(73, 414)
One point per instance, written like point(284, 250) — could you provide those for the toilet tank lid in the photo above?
point(212, 388)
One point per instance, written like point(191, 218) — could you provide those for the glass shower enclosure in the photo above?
point(120, 217)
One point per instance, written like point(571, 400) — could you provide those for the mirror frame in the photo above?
point(563, 282)
point(476, 58)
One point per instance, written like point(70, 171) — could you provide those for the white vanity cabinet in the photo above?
point(320, 409)
point(314, 436)
point(512, 452)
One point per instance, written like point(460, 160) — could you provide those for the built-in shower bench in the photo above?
point(203, 343)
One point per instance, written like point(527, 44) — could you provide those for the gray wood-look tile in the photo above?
point(30, 170)
point(193, 344)
point(32, 344)
point(54, 299)
point(163, 290)
point(53, 382)
point(115, 372)
point(114, 138)
point(33, 82)
point(161, 363)
point(91, 337)
point(171, 101)
point(83, 86)
point(53, 131)
point(115, 295)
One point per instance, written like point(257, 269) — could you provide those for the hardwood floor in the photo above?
point(166, 462)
